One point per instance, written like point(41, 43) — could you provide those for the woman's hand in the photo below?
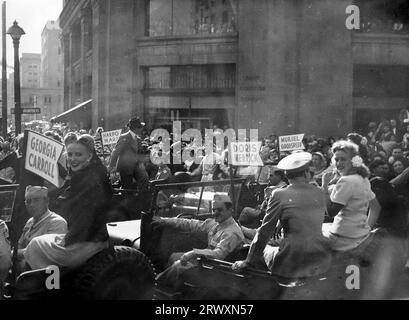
point(240, 265)
point(326, 178)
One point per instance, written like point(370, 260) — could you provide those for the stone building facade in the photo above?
point(283, 66)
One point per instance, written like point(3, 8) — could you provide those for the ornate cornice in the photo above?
point(72, 11)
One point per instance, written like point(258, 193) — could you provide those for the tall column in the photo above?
point(66, 74)
point(85, 21)
point(71, 97)
point(82, 54)
point(120, 63)
point(295, 67)
point(141, 12)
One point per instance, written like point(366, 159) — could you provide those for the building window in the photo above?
point(185, 17)
point(191, 94)
point(207, 77)
point(377, 16)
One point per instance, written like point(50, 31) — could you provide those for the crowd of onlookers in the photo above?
point(386, 143)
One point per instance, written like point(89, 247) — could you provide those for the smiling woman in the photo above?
point(82, 201)
point(351, 199)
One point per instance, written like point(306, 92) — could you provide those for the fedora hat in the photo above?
point(135, 123)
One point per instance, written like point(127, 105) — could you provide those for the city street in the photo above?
point(204, 150)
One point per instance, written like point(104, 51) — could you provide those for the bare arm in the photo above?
point(374, 210)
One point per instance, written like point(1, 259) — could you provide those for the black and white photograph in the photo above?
point(203, 155)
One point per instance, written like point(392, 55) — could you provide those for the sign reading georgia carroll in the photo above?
point(42, 156)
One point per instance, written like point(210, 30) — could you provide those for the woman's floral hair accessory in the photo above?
point(357, 161)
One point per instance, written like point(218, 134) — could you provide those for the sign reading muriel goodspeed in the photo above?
point(42, 156)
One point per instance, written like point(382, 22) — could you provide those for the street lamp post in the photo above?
point(16, 32)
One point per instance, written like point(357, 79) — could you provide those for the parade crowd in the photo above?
point(358, 183)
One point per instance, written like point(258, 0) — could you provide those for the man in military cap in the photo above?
point(224, 236)
point(42, 221)
point(125, 157)
point(299, 209)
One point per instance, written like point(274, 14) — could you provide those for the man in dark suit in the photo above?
point(126, 157)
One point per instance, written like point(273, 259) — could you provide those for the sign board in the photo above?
point(99, 149)
point(42, 156)
point(27, 110)
point(246, 153)
point(291, 142)
point(110, 137)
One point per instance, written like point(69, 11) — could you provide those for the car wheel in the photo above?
point(120, 273)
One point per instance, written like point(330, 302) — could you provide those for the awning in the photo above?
point(80, 114)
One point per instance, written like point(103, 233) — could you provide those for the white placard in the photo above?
point(246, 153)
point(42, 154)
point(291, 142)
point(110, 137)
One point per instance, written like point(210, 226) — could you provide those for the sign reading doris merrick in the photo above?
point(42, 156)
point(246, 153)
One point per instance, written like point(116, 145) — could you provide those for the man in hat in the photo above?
point(42, 221)
point(299, 209)
point(250, 217)
point(224, 236)
point(125, 157)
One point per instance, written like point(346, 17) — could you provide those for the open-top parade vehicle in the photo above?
point(137, 252)
point(126, 270)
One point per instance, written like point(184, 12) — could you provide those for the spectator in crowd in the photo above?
point(351, 196)
point(397, 154)
point(126, 158)
point(393, 216)
point(299, 208)
point(397, 129)
point(251, 217)
point(83, 200)
point(397, 168)
point(371, 130)
point(318, 166)
point(14, 160)
point(405, 139)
